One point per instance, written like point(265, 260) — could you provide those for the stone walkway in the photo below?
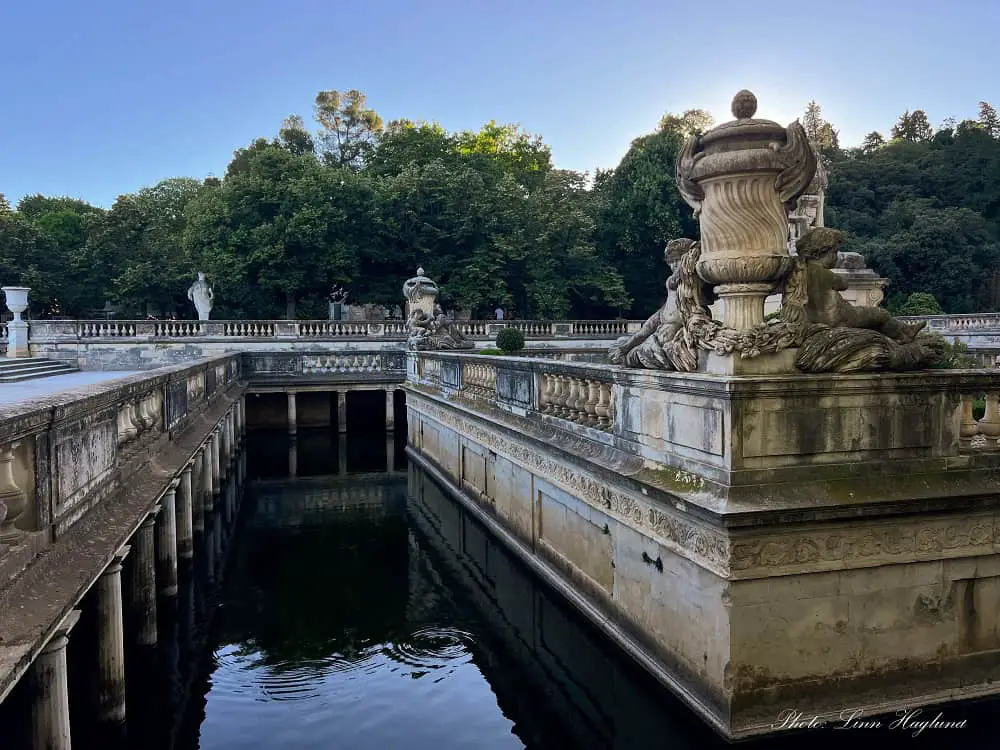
point(12, 393)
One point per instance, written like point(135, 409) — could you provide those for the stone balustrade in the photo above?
point(62, 455)
point(958, 323)
point(64, 330)
point(568, 392)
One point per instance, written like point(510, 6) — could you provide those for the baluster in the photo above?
point(555, 403)
point(578, 395)
point(562, 393)
point(604, 407)
point(590, 406)
point(545, 396)
point(969, 428)
point(989, 425)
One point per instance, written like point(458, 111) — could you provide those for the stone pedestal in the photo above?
point(166, 543)
point(111, 643)
point(185, 515)
point(342, 411)
point(50, 691)
point(142, 598)
point(292, 414)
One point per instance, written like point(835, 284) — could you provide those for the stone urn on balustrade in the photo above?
point(17, 329)
point(742, 178)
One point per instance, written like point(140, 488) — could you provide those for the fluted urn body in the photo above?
point(742, 178)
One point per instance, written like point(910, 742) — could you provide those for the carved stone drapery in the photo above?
point(741, 178)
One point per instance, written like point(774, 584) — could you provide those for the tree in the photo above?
point(692, 122)
point(989, 119)
point(920, 303)
point(512, 150)
point(913, 126)
point(819, 131)
point(294, 136)
point(349, 130)
point(5, 209)
point(872, 143)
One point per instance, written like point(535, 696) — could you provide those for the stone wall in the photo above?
point(750, 538)
point(88, 464)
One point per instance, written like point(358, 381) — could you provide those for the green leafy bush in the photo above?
point(510, 340)
point(490, 350)
point(955, 357)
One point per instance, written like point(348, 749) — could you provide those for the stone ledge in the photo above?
point(36, 602)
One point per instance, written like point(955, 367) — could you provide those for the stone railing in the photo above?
point(50, 331)
point(61, 456)
point(958, 323)
point(574, 393)
point(325, 366)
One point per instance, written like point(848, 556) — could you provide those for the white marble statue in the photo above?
point(201, 294)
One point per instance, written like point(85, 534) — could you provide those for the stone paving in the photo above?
point(12, 393)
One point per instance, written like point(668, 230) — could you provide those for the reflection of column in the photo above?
point(216, 466)
point(390, 452)
point(293, 457)
point(342, 453)
point(198, 493)
point(223, 450)
point(390, 409)
point(341, 411)
point(292, 429)
point(143, 580)
point(166, 543)
point(50, 688)
point(111, 642)
point(185, 516)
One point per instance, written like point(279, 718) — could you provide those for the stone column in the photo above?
point(390, 409)
point(143, 580)
point(292, 427)
point(341, 411)
point(223, 450)
point(166, 543)
point(111, 642)
point(206, 476)
point(198, 492)
point(50, 691)
point(293, 457)
point(216, 467)
point(185, 516)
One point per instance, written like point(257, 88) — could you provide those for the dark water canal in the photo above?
point(361, 608)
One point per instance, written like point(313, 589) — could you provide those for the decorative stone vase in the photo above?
point(17, 329)
point(742, 179)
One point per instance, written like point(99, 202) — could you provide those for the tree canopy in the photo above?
point(359, 203)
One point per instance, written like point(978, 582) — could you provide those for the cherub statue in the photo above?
point(818, 249)
point(664, 341)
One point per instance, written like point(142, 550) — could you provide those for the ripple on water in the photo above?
point(431, 648)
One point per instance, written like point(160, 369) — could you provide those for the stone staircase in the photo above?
point(30, 368)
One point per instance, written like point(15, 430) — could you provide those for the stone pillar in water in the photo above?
point(198, 492)
point(341, 411)
point(206, 476)
point(143, 580)
point(166, 543)
point(50, 691)
point(216, 464)
point(292, 427)
point(111, 642)
point(185, 516)
point(390, 408)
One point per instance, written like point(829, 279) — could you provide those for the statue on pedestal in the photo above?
point(201, 294)
point(427, 325)
point(743, 178)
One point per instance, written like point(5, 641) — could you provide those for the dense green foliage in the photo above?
point(510, 340)
point(361, 204)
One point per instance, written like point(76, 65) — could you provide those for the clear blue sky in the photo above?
point(106, 96)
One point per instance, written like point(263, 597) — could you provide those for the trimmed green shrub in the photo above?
point(490, 350)
point(510, 340)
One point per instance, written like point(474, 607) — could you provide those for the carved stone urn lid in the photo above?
point(419, 286)
point(744, 131)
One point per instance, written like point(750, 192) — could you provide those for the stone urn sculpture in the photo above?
point(742, 178)
point(427, 326)
point(201, 294)
point(17, 329)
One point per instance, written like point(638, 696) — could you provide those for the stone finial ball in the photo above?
point(420, 272)
point(744, 105)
